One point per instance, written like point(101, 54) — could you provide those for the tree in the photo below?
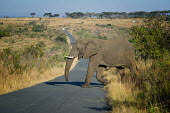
point(107, 14)
point(80, 14)
point(47, 15)
point(67, 14)
point(56, 15)
point(116, 14)
point(76, 15)
point(101, 15)
point(124, 14)
point(73, 15)
point(32, 14)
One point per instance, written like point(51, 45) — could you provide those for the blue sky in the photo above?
point(25, 7)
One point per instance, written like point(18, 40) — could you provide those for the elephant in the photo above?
point(117, 52)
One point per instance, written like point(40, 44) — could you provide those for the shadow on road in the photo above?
point(100, 109)
point(73, 83)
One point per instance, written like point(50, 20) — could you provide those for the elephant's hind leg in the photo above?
point(122, 73)
point(99, 76)
point(133, 70)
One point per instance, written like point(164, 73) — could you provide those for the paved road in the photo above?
point(58, 96)
point(71, 37)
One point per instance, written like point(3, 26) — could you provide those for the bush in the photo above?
point(34, 51)
point(107, 25)
point(125, 30)
point(4, 33)
point(41, 44)
point(102, 37)
point(155, 88)
point(152, 40)
point(11, 59)
point(21, 30)
point(56, 47)
point(1, 23)
point(11, 40)
point(33, 35)
point(38, 28)
point(61, 39)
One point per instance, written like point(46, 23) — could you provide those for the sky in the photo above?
point(25, 7)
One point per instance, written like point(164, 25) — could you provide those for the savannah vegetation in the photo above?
point(32, 49)
point(150, 93)
point(30, 53)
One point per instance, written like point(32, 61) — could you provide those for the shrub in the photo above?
point(125, 30)
point(102, 37)
point(38, 28)
point(107, 25)
point(11, 40)
point(40, 44)
point(34, 51)
point(61, 39)
point(11, 60)
point(21, 30)
point(155, 88)
point(33, 35)
point(56, 47)
point(4, 33)
point(152, 40)
point(58, 57)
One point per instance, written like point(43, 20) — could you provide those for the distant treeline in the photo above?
point(136, 14)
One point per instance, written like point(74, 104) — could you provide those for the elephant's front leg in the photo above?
point(92, 67)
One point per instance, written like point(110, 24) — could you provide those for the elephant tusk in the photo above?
point(70, 57)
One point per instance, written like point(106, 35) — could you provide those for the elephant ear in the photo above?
point(91, 49)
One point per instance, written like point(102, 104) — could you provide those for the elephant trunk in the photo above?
point(70, 59)
point(67, 67)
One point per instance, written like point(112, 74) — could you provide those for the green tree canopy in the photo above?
point(32, 14)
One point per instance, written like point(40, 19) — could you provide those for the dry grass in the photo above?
point(15, 82)
point(21, 42)
point(8, 82)
point(90, 25)
point(122, 96)
point(58, 22)
point(78, 24)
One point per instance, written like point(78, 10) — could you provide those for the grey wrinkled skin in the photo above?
point(117, 52)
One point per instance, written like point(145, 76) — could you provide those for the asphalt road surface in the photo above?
point(58, 96)
point(70, 36)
